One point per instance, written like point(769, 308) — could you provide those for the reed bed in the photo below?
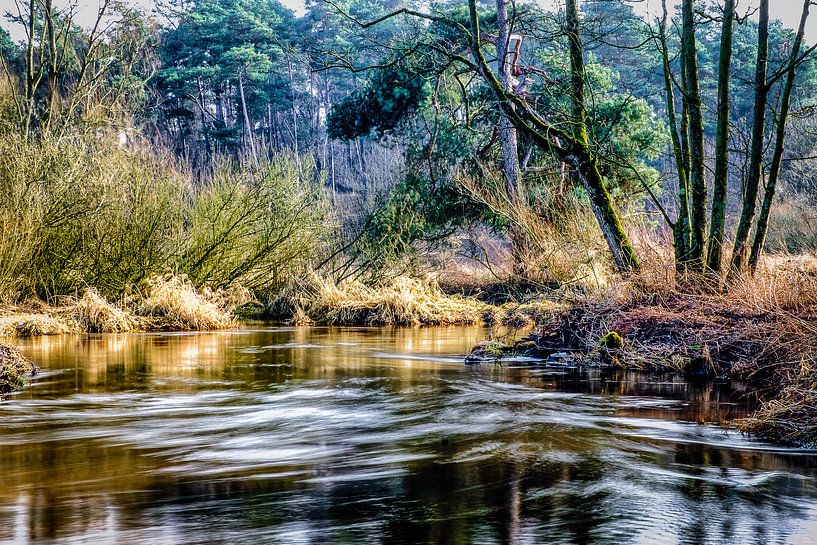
point(160, 303)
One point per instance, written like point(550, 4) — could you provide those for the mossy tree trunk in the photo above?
point(692, 102)
point(582, 161)
point(680, 227)
point(720, 184)
point(747, 214)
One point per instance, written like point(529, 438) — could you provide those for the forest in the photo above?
point(636, 188)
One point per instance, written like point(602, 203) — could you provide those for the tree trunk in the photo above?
point(207, 145)
point(294, 107)
point(247, 128)
point(587, 171)
point(53, 65)
point(779, 142)
point(507, 132)
point(718, 219)
point(692, 99)
point(750, 192)
point(31, 78)
point(508, 139)
point(583, 163)
point(680, 228)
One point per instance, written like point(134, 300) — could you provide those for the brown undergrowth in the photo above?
point(401, 301)
point(762, 329)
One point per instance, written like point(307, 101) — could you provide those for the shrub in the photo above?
point(257, 224)
point(80, 210)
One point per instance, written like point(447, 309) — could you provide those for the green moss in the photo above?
point(496, 349)
point(611, 339)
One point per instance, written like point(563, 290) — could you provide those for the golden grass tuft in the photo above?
point(162, 304)
point(173, 303)
point(401, 301)
point(95, 314)
point(20, 323)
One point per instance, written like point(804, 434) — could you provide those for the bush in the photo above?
point(80, 210)
point(793, 226)
point(258, 225)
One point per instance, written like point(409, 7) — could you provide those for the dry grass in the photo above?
point(790, 417)
point(22, 322)
point(401, 301)
point(173, 303)
point(558, 237)
point(166, 303)
point(95, 314)
point(518, 315)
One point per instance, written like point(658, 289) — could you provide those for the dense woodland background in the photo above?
point(233, 141)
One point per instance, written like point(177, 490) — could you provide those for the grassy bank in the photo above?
point(763, 331)
point(166, 303)
point(398, 301)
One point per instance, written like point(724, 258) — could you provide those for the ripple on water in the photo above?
point(369, 437)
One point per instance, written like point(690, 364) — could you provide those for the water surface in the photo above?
point(355, 435)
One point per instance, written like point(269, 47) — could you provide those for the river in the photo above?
point(365, 435)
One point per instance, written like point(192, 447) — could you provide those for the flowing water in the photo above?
point(355, 435)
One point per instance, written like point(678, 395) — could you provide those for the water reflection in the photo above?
point(302, 435)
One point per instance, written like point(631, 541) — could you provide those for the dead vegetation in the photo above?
point(401, 301)
point(763, 330)
point(14, 367)
point(95, 314)
point(173, 303)
point(160, 303)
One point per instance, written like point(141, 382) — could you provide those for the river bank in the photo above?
point(762, 331)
